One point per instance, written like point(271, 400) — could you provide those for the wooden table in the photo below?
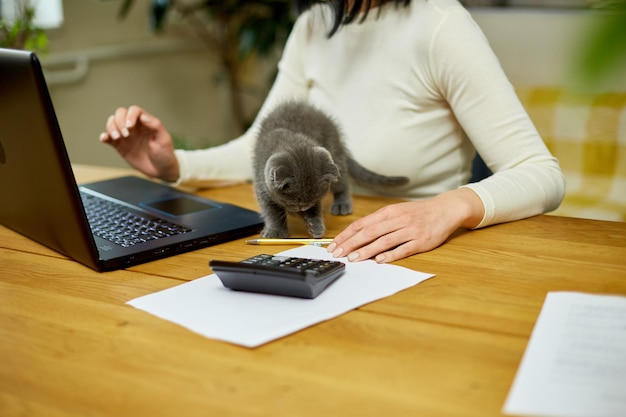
point(450, 346)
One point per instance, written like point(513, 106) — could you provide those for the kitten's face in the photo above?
point(299, 182)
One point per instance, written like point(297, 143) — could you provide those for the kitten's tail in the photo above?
point(370, 179)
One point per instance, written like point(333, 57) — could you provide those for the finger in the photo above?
point(414, 240)
point(399, 252)
point(112, 128)
point(104, 137)
point(150, 121)
point(354, 228)
point(346, 241)
point(369, 240)
point(382, 243)
point(120, 118)
point(132, 115)
point(349, 239)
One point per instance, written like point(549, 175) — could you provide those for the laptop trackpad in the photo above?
point(179, 205)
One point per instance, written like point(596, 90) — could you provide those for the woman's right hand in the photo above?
point(143, 142)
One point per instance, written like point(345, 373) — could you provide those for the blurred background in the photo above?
point(204, 67)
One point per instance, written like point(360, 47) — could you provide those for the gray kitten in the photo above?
point(298, 157)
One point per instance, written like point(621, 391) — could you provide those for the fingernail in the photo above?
point(380, 258)
point(144, 118)
point(115, 135)
point(337, 253)
point(331, 247)
point(125, 132)
point(353, 256)
point(103, 137)
point(128, 123)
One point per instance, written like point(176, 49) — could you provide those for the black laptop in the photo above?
point(40, 198)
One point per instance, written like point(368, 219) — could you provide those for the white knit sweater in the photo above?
point(415, 91)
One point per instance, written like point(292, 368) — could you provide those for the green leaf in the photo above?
point(605, 48)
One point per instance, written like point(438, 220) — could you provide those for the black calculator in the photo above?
point(280, 275)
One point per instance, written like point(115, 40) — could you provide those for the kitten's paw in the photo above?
point(342, 204)
point(315, 228)
point(274, 233)
point(341, 209)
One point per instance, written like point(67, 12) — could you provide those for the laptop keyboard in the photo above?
point(118, 224)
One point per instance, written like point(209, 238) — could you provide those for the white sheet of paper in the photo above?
point(575, 361)
point(206, 307)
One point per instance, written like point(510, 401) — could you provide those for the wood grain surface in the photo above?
point(450, 346)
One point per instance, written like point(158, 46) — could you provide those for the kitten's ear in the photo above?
point(277, 175)
point(329, 170)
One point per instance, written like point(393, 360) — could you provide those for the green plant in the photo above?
point(22, 33)
point(234, 29)
point(604, 53)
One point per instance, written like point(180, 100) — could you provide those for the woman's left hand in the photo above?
point(403, 229)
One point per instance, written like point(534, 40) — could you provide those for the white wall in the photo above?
point(538, 46)
point(172, 75)
point(534, 46)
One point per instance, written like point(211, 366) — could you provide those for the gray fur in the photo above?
point(298, 157)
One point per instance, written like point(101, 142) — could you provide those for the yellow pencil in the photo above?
point(294, 241)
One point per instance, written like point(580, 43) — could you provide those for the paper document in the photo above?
point(206, 307)
point(575, 361)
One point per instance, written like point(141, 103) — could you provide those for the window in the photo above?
point(48, 15)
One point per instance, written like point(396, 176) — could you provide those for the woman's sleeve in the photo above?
point(527, 179)
point(232, 161)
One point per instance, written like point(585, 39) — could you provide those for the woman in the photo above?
point(417, 90)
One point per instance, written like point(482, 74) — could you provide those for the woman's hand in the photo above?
point(143, 142)
point(400, 230)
